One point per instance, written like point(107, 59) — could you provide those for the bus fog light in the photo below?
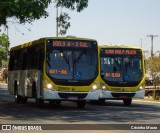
point(104, 88)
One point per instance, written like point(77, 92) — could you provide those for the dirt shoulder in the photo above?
point(147, 99)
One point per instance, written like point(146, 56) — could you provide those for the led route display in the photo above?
point(55, 71)
point(73, 43)
point(113, 75)
point(118, 51)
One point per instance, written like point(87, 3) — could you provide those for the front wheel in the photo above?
point(101, 101)
point(127, 102)
point(39, 102)
point(24, 100)
point(81, 104)
point(55, 102)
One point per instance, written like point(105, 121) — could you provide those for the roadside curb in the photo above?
point(147, 101)
point(3, 83)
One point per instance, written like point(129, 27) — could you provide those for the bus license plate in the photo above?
point(72, 98)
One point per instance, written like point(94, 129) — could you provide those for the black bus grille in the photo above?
point(123, 95)
point(67, 95)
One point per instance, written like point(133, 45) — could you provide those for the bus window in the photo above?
point(59, 64)
point(73, 65)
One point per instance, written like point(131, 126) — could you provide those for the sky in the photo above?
point(110, 22)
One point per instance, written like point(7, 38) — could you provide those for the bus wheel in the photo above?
point(55, 103)
point(24, 100)
point(101, 101)
point(58, 103)
point(39, 102)
point(127, 102)
point(18, 99)
point(81, 104)
point(52, 102)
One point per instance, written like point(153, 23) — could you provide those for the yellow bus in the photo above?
point(54, 70)
point(122, 73)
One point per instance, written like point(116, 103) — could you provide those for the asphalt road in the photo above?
point(112, 112)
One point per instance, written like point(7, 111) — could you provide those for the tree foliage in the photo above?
point(30, 10)
point(153, 68)
point(23, 10)
point(63, 23)
point(63, 19)
point(79, 5)
point(153, 64)
point(4, 43)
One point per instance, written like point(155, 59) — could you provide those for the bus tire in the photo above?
point(81, 104)
point(39, 102)
point(55, 102)
point(18, 98)
point(101, 101)
point(34, 92)
point(24, 100)
point(127, 102)
point(52, 102)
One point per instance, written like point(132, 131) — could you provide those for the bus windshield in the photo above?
point(121, 67)
point(71, 63)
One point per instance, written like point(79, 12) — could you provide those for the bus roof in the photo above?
point(42, 40)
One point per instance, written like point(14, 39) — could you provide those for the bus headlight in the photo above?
point(141, 87)
point(95, 87)
point(49, 86)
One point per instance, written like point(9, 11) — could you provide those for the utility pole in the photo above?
point(152, 36)
point(141, 43)
point(57, 23)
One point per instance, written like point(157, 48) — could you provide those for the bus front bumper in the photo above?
point(70, 96)
point(105, 94)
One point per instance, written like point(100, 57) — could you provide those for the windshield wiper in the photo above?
point(83, 52)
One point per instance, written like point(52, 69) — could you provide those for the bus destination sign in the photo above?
point(121, 51)
point(73, 43)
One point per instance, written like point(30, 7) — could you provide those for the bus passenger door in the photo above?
point(22, 78)
point(40, 71)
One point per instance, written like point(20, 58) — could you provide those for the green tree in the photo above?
point(4, 43)
point(63, 19)
point(153, 66)
point(30, 10)
point(23, 10)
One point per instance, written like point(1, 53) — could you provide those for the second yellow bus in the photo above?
point(122, 73)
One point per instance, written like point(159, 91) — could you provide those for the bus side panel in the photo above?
point(32, 81)
point(13, 78)
point(10, 78)
point(22, 83)
point(24, 80)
